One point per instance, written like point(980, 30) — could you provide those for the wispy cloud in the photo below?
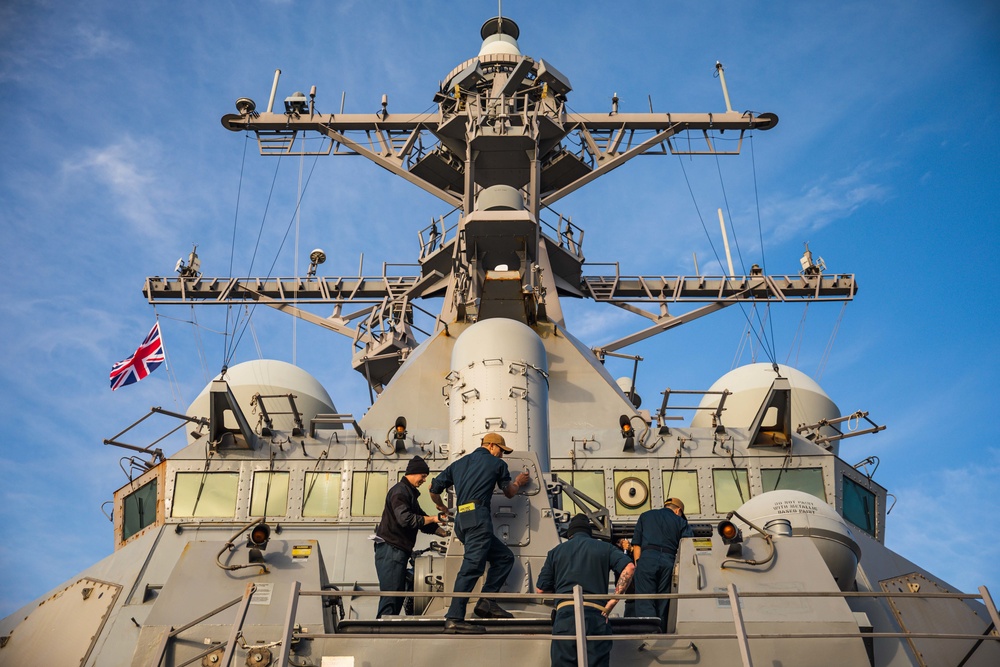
point(126, 170)
point(92, 42)
point(822, 203)
point(967, 492)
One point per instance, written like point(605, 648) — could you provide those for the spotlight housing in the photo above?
point(628, 433)
point(259, 535)
point(732, 536)
point(399, 434)
point(257, 542)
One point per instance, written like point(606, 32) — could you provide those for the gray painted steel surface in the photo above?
point(185, 586)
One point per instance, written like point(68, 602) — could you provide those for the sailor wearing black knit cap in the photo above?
point(396, 534)
point(585, 561)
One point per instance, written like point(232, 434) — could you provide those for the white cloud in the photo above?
point(821, 203)
point(94, 42)
point(125, 170)
point(937, 516)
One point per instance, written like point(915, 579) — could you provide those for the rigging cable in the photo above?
point(277, 253)
point(198, 343)
point(172, 381)
point(729, 214)
point(760, 231)
point(744, 341)
point(712, 246)
point(829, 345)
point(231, 349)
point(732, 224)
point(232, 245)
point(798, 338)
point(253, 332)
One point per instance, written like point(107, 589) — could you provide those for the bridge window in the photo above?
point(270, 494)
point(732, 488)
point(322, 494)
point(368, 491)
point(683, 485)
point(631, 491)
point(200, 494)
point(859, 506)
point(588, 482)
point(138, 509)
point(809, 480)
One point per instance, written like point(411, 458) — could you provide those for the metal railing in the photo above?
point(732, 595)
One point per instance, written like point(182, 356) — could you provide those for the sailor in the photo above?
point(396, 534)
point(474, 476)
point(657, 535)
point(585, 561)
point(626, 546)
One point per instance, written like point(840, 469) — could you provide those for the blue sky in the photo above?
point(884, 160)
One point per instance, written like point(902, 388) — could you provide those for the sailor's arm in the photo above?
point(442, 482)
point(438, 502)
point(623, 583)
point(511, 489)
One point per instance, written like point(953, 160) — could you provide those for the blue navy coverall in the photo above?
point(658, 533)
point(401, 519)
point(474, 476)
point(585, 561)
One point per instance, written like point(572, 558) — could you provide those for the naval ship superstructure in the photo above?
point(250, 545)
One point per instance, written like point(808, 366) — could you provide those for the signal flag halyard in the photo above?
point(141, 363)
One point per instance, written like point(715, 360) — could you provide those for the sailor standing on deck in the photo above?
point(657, 535)
point(396, 534)
point(585, 561)
point(474, 476)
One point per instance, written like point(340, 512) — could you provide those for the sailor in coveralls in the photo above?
point(396, 534)
point(657, 535)
point(585, 561)
point(474, 476)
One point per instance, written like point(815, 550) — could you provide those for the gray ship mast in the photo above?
point(496, 151)
point(793, 571)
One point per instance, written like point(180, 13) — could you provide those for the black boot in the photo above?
point(455, 626)
point(487, 608)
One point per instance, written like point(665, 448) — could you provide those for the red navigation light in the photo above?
point(259, 535)
point(628, 433)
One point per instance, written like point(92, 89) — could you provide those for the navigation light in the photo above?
point(731, 535)
point(259, 536)
point(399, 434)
point(628, 433)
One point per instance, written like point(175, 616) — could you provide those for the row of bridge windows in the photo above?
point(215, 494)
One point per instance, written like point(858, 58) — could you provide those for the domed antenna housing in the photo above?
point(499, 36)
point(316, 257)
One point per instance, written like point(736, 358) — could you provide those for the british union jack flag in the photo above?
point(142, 362)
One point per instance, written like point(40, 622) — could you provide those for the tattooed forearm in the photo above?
point(625, 579)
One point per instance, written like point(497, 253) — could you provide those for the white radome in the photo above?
point(270, 377)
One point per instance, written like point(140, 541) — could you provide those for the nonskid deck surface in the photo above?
point(493, 626)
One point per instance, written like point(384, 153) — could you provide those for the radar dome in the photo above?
point(749, 386)
point(809, 517)
point(269, 377)
point(499, 37)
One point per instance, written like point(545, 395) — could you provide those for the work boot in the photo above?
point(455, 626)
point(486, 608)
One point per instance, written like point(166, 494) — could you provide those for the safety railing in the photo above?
point(740, 635)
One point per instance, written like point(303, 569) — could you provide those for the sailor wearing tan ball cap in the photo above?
point(474, 477)
point(657, 535)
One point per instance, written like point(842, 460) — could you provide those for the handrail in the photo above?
point(739, 634)
point(245, 599)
